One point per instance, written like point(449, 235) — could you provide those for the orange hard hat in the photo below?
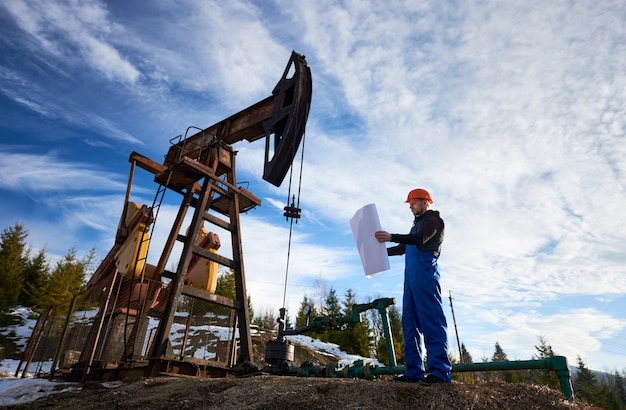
point(419, 193)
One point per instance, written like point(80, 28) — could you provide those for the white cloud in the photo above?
point(63, 27)
point(47, 173)
point(266, 246)
point(570, 333)
point(27, 92)
point(209, 47)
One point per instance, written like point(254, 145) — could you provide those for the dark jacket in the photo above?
point(426, 234)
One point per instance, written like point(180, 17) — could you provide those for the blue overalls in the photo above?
point(422, 315)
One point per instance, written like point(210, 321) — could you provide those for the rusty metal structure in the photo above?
point(142, 307)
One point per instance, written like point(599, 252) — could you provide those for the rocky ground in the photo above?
point(264, 391)
point(288, 392)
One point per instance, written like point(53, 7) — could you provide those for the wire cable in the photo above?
point(297, 206)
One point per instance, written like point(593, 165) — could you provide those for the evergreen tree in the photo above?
point(331, 305)
point(12, 263)
point(544, 350)
point(395, 323)
point(225, 285)
point(350, 301)
point(331, 308)
point(65, 282)
point(305, 305)
point(620, 385)
point(510, 376)
point(266, 321)
point(465, 355)
point(544, 376)
point(499, 355)
point(586, 386)
point(466, 358)
point(615, 392)
point(355, 339)
point(35, 274)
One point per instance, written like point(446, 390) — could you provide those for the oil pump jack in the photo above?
point(140, 303)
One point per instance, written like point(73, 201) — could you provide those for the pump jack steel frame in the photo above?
point(202, 169)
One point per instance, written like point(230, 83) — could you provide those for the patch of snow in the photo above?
point(23, 390)
point(330, 348)
point(23, 329)
point(17, 391)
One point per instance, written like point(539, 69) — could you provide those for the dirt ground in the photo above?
point(288, 392)
point(264, 391)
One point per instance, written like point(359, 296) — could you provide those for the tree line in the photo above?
point(367, 339)
point(604, 390)
point(27, 279)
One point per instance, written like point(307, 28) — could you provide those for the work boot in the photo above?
point(431, 380)
point(405, 379)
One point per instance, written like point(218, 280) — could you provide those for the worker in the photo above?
point(423, 319)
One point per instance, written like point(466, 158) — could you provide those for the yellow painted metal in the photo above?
point(131, 257)
point(203, 273)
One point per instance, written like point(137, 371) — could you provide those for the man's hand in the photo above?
point(382, 236)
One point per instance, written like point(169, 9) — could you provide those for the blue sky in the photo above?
point(511, 113)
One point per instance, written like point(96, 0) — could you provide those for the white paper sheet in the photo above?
point(373, 253)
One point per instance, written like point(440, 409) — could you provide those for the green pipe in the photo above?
point(382, 306)
point(556, 363)
point(391, 350)
point(360, 369)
